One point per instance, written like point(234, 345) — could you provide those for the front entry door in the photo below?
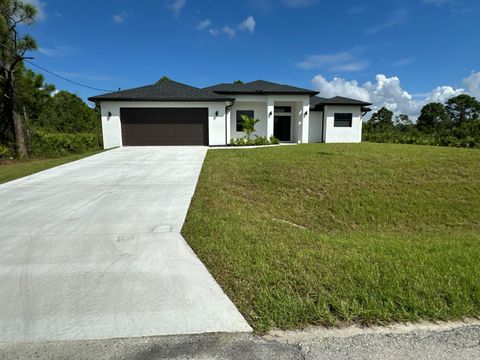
point(281, 127)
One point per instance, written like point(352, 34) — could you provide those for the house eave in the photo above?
point(97, 99)
point(309, 93)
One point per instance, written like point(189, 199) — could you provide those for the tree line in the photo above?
point(34, 116)
point(455, 123)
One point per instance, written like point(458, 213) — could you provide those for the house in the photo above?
point(171, 113)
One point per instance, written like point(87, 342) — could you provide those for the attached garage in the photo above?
point(164, 113)
point(164, 126)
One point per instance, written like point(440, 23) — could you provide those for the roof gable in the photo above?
point(162, 91)
point(259, 87)
point(317, 101)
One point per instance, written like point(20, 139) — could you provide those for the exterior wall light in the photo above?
point(270, 113)
point(109, 114)
point(306, 113)
point(216, 113)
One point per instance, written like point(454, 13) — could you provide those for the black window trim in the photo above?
point(342, 121)
point(239, 118)
point(278, 109)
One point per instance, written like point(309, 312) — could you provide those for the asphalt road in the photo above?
point(448, 342)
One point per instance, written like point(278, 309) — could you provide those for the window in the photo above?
point(283, 109)
point(342, 120)
point(248, 113)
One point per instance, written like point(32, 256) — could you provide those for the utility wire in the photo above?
point(64, 78)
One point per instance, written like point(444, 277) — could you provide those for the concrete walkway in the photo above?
point(92, 249)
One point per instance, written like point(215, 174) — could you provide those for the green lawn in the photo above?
point(333, 234)
point(14, 169)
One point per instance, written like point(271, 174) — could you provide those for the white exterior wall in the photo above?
point(259, 106)
point(262, 105)
point(305, 120)
point(315, 131)
point(343, 134)
point(112, 128)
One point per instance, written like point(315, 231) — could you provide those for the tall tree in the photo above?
point(14, 13)
point(463, 108)
point(433, 116)
point(382, 119)
point(403, 122)
point(33, 93)
point(67, 113)
point(163, 79)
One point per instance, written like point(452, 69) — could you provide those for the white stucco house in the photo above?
point(171, 113)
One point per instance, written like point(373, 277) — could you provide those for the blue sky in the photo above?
point(397, 53)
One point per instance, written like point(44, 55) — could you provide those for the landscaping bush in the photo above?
point(274, 140)
point(259, 140)
point(43, 144)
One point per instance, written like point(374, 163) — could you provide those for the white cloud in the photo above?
point(120, 18)
point(204, 24)
point(340, 87)
point(404, 62)
point(384, 91)
point(177, 6)
point(457, 6)
point(229, 31)
point(40, 6)
point(298, 3)
point(343, 61)
point(442, 93)
point(472, 83)
point(58, 50)
point(248, 24)
point(396, 18)
point(349, 67)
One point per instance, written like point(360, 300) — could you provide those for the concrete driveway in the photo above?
point(92, 249)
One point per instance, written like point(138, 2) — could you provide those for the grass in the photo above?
point(14, 169)
point(334, 234)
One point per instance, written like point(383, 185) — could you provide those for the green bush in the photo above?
point(464, 136)
point(274, 140)
point(5, 152)
point(259, 140)
point(43, 144)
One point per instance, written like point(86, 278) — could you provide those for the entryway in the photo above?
point(282, 127)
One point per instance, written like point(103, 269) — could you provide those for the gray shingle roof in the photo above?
point(317, 101)
point(167, 90)
point(259, 86)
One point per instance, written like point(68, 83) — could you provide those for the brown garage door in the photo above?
point(164, 126)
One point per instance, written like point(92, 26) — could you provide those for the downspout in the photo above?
point(324, 127)
point(227, 108)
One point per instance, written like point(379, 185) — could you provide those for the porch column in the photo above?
point(305, 120)
point(270, 110)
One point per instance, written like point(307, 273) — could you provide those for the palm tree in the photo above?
point(249, 125)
